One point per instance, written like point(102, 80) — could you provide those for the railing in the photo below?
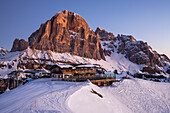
point(84, 78)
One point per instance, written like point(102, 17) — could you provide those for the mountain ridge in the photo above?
point(68, 32)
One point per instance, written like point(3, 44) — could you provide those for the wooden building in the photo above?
point(77, 70)
point(62, 71)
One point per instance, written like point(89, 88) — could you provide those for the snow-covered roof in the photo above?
point(36, 71)
point(65, 66)
point(87, 65)
point(109, 72)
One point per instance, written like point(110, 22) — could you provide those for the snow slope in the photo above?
point(10, 58)
point(116, 61)
point(83, 101)
point(142, 96)
point(130, 96)
point(22, 99)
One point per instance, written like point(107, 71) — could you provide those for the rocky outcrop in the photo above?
point(138, 52)
point(3, 51)
point(67, 32)
point(150, 70)
point(141, 53)
point(104, 35)
point(19, 45)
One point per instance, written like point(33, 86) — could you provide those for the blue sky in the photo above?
point(147, 20)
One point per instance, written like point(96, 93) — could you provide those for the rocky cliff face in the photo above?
point(138, 52)
point(67, 32)
point(19, 45)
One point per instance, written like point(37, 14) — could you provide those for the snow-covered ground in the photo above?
point(128, 96)
point(115, 61)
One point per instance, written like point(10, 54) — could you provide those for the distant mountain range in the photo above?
point(67, 38)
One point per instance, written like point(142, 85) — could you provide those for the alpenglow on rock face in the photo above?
point(67, 32)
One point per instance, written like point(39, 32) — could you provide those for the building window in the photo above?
point(60, 76)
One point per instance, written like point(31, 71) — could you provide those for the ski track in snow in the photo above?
point(143, 96)
point(130, 96)
point(22, 99)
